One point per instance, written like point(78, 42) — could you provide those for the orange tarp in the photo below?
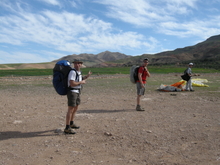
point(178, 84)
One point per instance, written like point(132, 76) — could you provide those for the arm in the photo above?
point(87, 76)
point(74, 83)
point(148, 73)
point(140, 79)
point(72, 79)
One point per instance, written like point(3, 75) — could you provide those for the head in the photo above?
point(190, 64)
point(77, 64)
point(145, 62)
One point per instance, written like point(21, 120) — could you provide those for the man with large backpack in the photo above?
point(143, 73)
point(75, 81)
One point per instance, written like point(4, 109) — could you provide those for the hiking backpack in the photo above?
point(60, 76)
point(134, 74)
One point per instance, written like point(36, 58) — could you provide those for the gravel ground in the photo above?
point(177, 128)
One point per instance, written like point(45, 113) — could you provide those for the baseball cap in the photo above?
point(190, 63)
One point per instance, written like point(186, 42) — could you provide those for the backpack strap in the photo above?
point(77, 75)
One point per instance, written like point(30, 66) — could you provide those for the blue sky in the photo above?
point(34, 31)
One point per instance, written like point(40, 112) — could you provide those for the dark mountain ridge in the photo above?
point(204, 50)
point(93, 60)
point(206, 53)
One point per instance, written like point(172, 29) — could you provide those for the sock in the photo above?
point(67, 126)
point(71, 122)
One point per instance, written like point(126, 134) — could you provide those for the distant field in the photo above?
point(101, 71)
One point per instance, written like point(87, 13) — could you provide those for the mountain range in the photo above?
point(203, 54)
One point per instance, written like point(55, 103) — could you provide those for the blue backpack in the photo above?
point(60, 76)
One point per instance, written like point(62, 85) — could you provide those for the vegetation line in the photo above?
point(101, 71)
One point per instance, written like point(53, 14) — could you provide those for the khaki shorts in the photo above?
point(73, 99)
point(140, 90)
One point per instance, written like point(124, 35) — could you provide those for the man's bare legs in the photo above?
point(71, 114)
point(138, 99)
point(138, 108)
point(69, 119)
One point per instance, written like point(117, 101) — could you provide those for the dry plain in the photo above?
point(177, 128)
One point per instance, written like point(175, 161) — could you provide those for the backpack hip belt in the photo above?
point(74, 88)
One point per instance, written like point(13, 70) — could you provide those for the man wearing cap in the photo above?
point(189, 82)
point(75, 81)
point(143, 73)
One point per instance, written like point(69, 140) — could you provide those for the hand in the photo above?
point(83, 81)
point(89, 73)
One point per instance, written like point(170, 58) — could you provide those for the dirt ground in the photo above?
point(177, 128)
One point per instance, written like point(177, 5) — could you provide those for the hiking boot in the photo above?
point(74, 126)
point(69, 131)
point(138, 108)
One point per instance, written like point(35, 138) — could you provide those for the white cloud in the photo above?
point(201, 28)
point(74, 3)
point(66, 31)
point(190, 3)
point(21, 57)
point(52, 2)
point(136, 12)
point(145, 13)
point(170, 17)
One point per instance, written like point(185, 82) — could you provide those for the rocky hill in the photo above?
point(204, 54)
point(96, 60)
point(207, 51)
